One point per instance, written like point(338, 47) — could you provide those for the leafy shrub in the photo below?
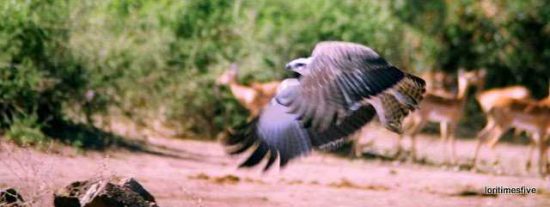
point(26, 131)
point(157, 60)
point(38, 75)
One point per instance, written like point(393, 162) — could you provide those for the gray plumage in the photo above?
point(340, 89)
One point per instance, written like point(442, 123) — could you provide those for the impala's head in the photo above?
point(471, 78)
point(474, 77)
point(228, 76)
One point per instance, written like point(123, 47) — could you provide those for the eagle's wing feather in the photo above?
point(277, 133)
point(342, 76)
point(346, 85)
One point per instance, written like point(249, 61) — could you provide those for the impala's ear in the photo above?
point(234, 68)
point(482, 72)
point(461, 71)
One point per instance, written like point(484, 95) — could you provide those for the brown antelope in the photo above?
point(527, 115)
point(268, 88)
point(542, 103)
point(445, 110)
point(253, 97)
point(438, 83)
point(499, 97)
point(356, 141)
point(502, 97)
point(546, 101)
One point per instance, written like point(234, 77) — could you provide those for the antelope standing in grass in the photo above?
point(447, 111)
point(253, 97)
point(527, 115)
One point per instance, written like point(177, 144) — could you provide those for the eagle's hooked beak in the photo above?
point(293, 73)
point(288, 66)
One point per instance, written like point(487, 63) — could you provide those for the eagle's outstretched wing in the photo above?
point(342, 76)
point(277, 133)
point(346, 84)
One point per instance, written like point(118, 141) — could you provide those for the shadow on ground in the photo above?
point(88, 137)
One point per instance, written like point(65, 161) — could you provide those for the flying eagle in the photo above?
point(336, 91)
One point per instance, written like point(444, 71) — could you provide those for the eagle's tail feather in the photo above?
point(394, 104)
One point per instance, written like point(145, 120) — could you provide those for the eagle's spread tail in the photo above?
point(413, 88)
point(395, 103)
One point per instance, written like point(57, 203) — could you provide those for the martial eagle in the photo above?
point(336, 91)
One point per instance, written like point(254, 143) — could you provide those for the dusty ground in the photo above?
point(195, 173)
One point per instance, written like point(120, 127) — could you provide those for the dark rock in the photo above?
point(132, 184)
point(9, 197)
point(104, 192)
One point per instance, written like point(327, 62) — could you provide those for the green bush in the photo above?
point(39, 76)
point(157, 60)
point(26, 130)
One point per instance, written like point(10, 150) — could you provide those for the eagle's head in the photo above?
point(299, 66)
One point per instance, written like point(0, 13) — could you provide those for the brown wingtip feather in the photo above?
point(407, 95)
point(412, 86)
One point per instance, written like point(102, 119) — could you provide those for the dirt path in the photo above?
point(194, 173)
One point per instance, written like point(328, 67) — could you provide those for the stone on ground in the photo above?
point(9, 197)
point(104, 192)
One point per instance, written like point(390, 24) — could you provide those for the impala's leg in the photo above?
point(493, 138)
point(546, 167)
point(451, 137)
point(413, 147)
point(532, 146)
point(546, 138)
point(408, 130)
point(444, 131)
point(416, 130)
point(517, 135)
point(410, 124)
point(487, 129)
point(482, 137)
point(476, 152)
point(354, 145)
point(357, 147)
point(399, 146)
point(542, 154)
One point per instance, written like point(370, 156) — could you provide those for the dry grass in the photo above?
point(345, 183)
point(226, 179)
point(35, 176)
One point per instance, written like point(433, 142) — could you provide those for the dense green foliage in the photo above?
point(158, 59)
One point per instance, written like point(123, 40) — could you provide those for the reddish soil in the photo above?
point(197, 173)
